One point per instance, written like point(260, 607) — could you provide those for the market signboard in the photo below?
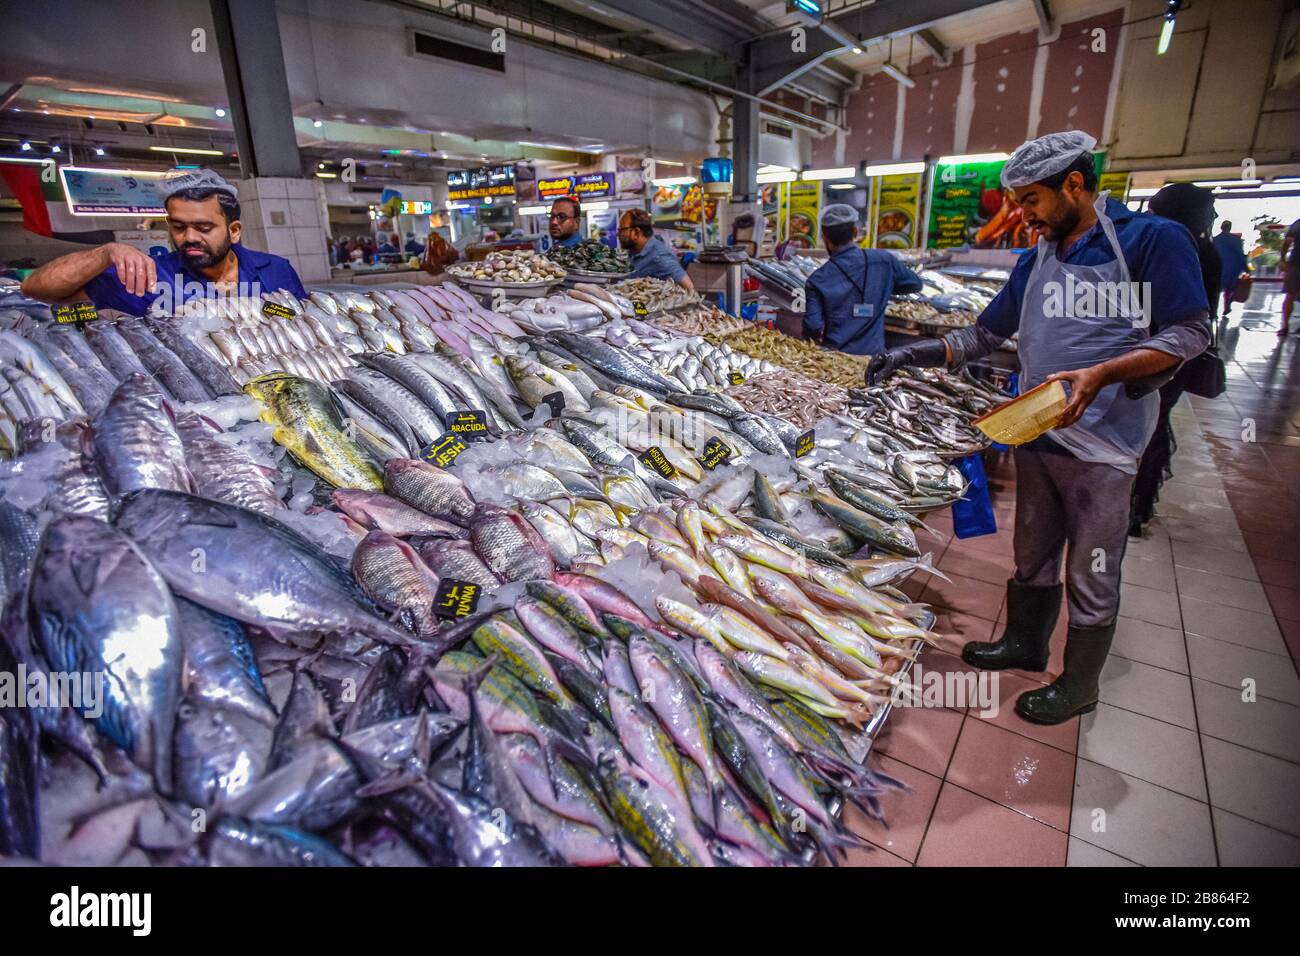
point(481, 183)
point(895, 208)
point(968, 206)
point(1116, 184)
point(584, 186)
point(111, 192)
point(802, 203)
point(416, 208)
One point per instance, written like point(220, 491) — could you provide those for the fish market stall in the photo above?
point(457, 543)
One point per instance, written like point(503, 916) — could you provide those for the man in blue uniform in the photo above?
point(565, 222)
point(651, 256)
point(1109, 303)
point(845, 299)
point(206, 259)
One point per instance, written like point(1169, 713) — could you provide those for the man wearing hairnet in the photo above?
point(844, 300)
point(206, 258)
point(1109, 303)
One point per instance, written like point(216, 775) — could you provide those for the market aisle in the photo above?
point(1174, 767)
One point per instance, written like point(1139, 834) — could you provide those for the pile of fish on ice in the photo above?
point(669, 663)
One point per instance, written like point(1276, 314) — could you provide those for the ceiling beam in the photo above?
point(1046, 22)
point(717, 28)
point(936, 46)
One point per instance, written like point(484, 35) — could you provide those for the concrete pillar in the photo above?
point(284, 216)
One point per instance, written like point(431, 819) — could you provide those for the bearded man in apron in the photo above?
point(1110, 303)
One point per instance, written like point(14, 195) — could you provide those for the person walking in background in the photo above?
point(1193, 207)
point(1290, 263)
point(1232, 255)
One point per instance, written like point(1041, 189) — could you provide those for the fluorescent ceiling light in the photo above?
point(1166, 34)
point(899, 75)
point(533, 210)
point(786, 177)
point(835, 172)
point(666, 162)
point(674, 181)
point(1211, 183)
point(771, 168)
point(974, 158)
point(320, 175)
point(842, 186)
point(24, 159)
point(894, 169)
point(187, 149)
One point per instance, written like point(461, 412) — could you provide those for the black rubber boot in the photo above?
point(1075, 691)
point(1031, 616)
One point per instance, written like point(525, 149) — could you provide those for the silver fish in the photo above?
point(136, 445)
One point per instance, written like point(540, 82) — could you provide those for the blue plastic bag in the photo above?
point(972, 513)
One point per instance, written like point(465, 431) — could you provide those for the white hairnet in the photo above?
point(838, 213)
point(174, 180)
point(1041, 158)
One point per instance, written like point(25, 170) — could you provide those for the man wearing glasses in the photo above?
point(566, 217)
point(651, 256)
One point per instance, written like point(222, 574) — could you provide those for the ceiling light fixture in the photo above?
point(187, 149)
point(899, 75)
point(674, 181)
point(894, 169)
point(835, 172)
point(787, 176)
point(974, 158)
point(220, 111)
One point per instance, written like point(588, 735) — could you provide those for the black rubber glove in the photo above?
point(923, 353)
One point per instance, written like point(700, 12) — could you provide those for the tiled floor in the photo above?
point(1192, 757)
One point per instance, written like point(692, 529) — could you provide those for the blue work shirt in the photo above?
point(414, 246)
point(572, 240)
point(657, 261)
point(855, 276)
point(1158, 251)
point(1232, 255)
point(271, 273)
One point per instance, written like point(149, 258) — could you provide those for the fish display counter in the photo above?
point(593, 593)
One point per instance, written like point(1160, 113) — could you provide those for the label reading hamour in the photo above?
point(456, 598)
point(470, 425)
point(653, 458)
point(274, 310)
point(716, 452)
point(444, 450)
point(805, 443)
point(74, 312)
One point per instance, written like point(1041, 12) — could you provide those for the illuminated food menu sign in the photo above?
point(111, 192)
point(417, 208)
point(481, 183)
point(586, 186)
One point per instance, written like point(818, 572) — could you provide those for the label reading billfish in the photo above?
point(805, 443)
point(274, 310)
point(638, 308)
point(73, 312)
point(556, 401)
point(470, 425)
point(736, 378)
point(653, 458)
point(456, 598)
point(444, 450)
point(716, 452)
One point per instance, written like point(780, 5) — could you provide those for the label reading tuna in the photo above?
point(556, 401)
point(274, 310)
point(444, 450)
point(716, 452)
point(73, 312)
point(470, 425)
point(638, 308)
point(653, 458)
point(456, 598)
point(736, 378)
point(805, 443)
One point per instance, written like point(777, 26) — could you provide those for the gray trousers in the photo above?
point(1079, 511)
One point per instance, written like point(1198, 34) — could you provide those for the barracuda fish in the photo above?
point(135, 443)
point(396, 400)
point(100, 608)
point(358, 395)
point(221, 470)
point(414, 379)
point(309, 423)
point(253, 568)
point(616, 363)
point(475, 394)
point(372, 434)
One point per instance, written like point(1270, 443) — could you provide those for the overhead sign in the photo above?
point(416, 208)
point(586, 186)
point(111, 192)
point(481, 183)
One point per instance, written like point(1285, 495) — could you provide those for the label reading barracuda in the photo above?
point(72, 312)
point(736, 378)
point(444, 450)
point(653, 458)
point(470, 425)
point(805, 443)
point(274, 310)
point(638, 308)
point(556, 402)
point(456, 598)
point(716, 452)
